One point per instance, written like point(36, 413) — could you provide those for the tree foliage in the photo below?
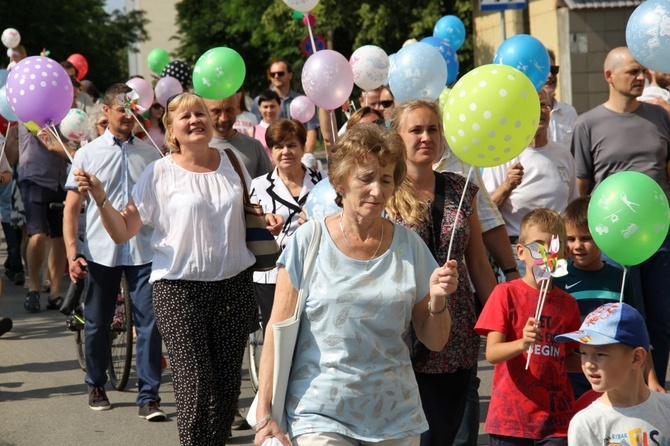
point(262, 30)
point(77, 26)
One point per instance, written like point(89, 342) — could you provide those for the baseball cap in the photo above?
point(611, 324)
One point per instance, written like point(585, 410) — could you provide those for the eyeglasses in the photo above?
point(554, 69)
point(103, 124)
point(277, 74)
point(387, 104)
point(157, 106)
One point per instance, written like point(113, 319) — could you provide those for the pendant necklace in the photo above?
point(381, 239)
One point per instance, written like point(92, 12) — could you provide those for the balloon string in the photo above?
point(311, 36)
point(54, 133)
point(458, 213)
point(623, 282)
point(366, 98)
point(148, 135)
point(333, 125)
point(544, 287)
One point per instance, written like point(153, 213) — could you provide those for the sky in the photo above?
point(111, 5)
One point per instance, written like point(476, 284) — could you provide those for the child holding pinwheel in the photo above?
point(531, 398)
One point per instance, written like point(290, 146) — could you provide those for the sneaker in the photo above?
point(97, 398)
point(5, 325)
point(54, 303)
point(240, 423)
point(19, 278)
point(32, 303)
point(151, 412)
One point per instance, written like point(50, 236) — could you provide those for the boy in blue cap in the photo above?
point(614, 344)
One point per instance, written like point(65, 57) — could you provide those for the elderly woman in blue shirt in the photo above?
point(351, 378)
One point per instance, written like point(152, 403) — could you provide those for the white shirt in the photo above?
point(548, 182)
point(562, 122)
point(652, 91)
point(200, 232)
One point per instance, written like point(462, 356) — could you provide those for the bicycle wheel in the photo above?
point(79, 339)
point(121, 339)
point(254, 348)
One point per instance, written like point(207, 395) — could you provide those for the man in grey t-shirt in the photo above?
point(621, 135)
point(224, 113)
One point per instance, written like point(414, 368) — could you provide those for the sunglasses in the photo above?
point(554, 69)
point(157, 106)
point(387, 104)
point(277, 74)
point(175, 96)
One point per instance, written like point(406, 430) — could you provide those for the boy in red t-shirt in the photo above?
point(534, 404)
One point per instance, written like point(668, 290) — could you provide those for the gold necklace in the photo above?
point(381, 239)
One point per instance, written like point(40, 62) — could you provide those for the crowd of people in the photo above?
point(416, 265)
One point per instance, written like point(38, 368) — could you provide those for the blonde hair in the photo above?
point(183, 100)
point(545, 220)
point(354, 148)
point(408, 203)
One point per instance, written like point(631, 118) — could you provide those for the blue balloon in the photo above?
point(5, 108)
point(321, 201)
point(3, 76)
point(451, 29)
point(647, 37)
point(418, 71)
point(528, 55)
point(448, 54)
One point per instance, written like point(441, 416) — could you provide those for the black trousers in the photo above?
point(205, 326)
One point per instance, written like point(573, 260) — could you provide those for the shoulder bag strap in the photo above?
point(238, 169)
point(437, 211)
point(308, 268)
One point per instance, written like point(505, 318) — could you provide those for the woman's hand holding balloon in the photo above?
point(444, 280)
point(87, 182)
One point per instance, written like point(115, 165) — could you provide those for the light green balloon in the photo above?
point(491, 115)
point(629, 217)
point(157, 59)
point(219, 73)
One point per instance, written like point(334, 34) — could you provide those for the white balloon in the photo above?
point(370, 65)
point(11, 38)
point(302, 5)
point(75, 125)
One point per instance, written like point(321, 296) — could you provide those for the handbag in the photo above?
point(260, 241)
point(286, 335)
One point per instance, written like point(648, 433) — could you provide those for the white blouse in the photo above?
point(200, 232)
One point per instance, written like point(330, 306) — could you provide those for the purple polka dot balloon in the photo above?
point(39, 89)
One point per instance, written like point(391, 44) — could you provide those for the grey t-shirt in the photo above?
point(606, 142)
point(253, 155)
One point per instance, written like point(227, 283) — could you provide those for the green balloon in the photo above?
point(157, 60)
point(491, 115)
point(219, 73)
point(629, 217)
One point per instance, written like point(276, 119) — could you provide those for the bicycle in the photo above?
point(120, 335)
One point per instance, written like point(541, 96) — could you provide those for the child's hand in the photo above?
point(531, 333)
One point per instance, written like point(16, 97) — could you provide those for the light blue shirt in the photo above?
point(118, 168)
point(351, 372)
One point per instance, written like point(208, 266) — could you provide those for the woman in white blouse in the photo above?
point(202, 285)
point(284, 192)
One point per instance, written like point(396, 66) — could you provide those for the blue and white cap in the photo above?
point(615, 323)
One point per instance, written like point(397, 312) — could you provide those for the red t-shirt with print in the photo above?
point(535, 403)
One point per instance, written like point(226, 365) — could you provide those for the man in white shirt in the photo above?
point(117, 158)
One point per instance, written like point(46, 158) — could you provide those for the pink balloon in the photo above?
point(327, 79)
point(39, 89)
point(166, 87)
point(144, 90)
point(302, 109)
